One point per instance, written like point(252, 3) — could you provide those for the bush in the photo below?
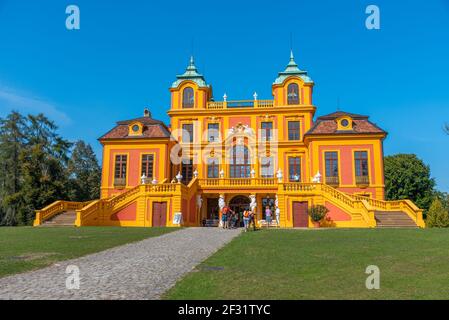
point(318, 212)
point(437, 216)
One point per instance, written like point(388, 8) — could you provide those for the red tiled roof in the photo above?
point(328, 125)
point(151, 129)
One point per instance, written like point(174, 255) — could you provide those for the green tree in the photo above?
point(44, 165)
point(408, 177)
point(12, 144)
point(438, 215)
point(84, 173)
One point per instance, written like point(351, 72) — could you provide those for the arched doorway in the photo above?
point(239, 204)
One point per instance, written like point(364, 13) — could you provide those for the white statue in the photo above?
point(199, 201)
point(221, 173)
point(221, 202)
point(253, 173)
point(154, 181)
point(179, 177)
point(195, 173)
point(279, 175)
point(143, 179)
point(317, 178)
point(253, 203)
point(255, 95)
point(278, 211)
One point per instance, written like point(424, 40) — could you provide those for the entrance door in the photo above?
point(159, 214)
point(239, 204)
point(212, 208)
point(300, 214)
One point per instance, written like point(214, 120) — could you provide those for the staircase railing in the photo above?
point(406, 206)
point(55, 208)
point(102, 207)
point(356, 208)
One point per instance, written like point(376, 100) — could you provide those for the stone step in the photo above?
point(394, 219)
point(66, 218)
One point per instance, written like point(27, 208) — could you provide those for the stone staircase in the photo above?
point(395, 219)
point(66, 218)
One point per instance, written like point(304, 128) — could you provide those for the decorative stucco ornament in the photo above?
point(154, 181)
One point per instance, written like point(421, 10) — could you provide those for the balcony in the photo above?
point(332, 181)
point(238, 183)
point(362, 181)
point(233, 104)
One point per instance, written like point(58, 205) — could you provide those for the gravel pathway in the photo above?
point(141, 270)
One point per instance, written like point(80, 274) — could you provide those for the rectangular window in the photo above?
point(147, 165)
point(266, 127)
point(213, 132)
point(212, 168)
point(331, 159)
point(361, 167)
point(361, 163)
point(120, 169)
point(293, 130)
point(187, 133)
point(187, 170)
point(294, 169)
point(267, 167)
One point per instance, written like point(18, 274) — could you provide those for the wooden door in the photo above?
point(159, 214)
point(300, 214)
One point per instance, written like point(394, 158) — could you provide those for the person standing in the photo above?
point(224, 217)
point(246, 219)
point(268, 216)
point(252, 219)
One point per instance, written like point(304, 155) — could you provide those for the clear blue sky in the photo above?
point(127, 53)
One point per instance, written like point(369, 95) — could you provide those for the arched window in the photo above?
point(187, 98)
point(240, 162)
point(292, 94)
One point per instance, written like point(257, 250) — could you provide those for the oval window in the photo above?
point(345, 123)
point(135, 128)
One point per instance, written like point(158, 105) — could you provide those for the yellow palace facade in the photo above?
point(246, 154)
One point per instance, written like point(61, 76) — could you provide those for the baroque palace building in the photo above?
point(246, 154)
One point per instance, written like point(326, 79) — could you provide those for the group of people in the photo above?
point(231, 219)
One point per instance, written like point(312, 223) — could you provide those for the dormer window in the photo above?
point(344, 124)
point(135, 129)
point(188, 98)
point(292, 94)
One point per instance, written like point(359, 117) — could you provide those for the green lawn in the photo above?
point(323, 264)
point(27, 248)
